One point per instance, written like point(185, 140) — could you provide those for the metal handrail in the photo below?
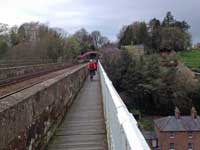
point(122, 129)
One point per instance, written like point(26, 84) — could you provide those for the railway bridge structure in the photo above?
point(65, 110)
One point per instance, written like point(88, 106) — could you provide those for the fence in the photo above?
point(122, 129)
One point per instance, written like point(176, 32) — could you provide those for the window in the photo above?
point(172, 135)
point(171, 146)
point(190, 134)
point(190, 146)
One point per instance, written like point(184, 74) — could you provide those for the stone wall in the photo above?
point(29, 118)
point(14, 72)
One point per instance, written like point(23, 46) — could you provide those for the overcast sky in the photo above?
point(107, 16)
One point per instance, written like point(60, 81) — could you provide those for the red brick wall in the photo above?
point(180, 140)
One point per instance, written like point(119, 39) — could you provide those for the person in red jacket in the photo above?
point(92, 67)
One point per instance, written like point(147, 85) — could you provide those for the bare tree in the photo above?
point(3, 28)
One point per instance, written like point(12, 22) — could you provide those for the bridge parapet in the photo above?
point(29, 118)
point(122, 129)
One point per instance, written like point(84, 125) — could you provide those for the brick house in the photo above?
point(178, 132)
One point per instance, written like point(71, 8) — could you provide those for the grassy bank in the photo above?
point(191, 58)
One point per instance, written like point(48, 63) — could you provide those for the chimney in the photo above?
point(194, 113)
point(177, 113)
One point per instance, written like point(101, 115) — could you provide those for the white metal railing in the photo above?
point(122, 129)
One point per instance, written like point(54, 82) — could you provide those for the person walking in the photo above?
point(92, 67)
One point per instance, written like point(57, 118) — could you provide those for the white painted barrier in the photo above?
point(122, 129)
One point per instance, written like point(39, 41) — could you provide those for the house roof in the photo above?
point(185, 123)
point(141, 46)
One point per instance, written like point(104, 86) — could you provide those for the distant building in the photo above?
point(31, 31)
point(167, 59)
point(136, 50)
point(196, 46)
point(178, 132)
point(139, 49)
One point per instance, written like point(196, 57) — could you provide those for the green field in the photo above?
point(190, 58)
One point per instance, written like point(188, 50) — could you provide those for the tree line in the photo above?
point(150, 87)
point(143, 81)
point(37, 40)
point(167, 35)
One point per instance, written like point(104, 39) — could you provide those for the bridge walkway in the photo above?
point(83, 128)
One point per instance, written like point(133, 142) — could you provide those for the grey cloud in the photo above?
point(108, 16)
